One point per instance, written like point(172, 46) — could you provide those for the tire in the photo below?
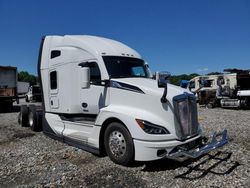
point(210, 106)
point(23, 116)
point(119, 144)
point(34, 119)
point(9, 106)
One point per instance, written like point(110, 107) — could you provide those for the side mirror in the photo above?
point(85, 73)
point(162, 78)
point(85, 77)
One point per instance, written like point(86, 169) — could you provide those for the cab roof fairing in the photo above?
point(97, 46)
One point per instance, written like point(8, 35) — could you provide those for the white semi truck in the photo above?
point(98, 95)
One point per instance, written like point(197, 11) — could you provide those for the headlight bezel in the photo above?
point(151, 128)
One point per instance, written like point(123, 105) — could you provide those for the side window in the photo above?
point(95, 73)
point(192, 85)
point(138, 71)
point(55, 53)
point(220, 81)
point(208, 83)
point(53, 80)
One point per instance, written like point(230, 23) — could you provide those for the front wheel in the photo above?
point(119, 144)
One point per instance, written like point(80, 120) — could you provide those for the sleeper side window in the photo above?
point(55, 53)
point(95, 73)
point(53, 80)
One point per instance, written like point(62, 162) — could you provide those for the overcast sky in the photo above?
point(179, 36)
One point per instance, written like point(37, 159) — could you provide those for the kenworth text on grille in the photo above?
point(99, 95)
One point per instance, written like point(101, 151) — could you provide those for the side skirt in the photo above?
point(75, 143)
point(81, 145)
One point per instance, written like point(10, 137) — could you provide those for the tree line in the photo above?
point(24, 76)
point(175, 79)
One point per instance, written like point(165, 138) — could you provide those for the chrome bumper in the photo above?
point(182, 154)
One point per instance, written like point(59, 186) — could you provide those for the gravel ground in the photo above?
point(31, 159)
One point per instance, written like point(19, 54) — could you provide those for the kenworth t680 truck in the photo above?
point(98, 95)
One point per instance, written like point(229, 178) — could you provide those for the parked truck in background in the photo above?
point(22, 88)
point(34, 94)
point(8, 87)
point(228, 90)
point(98, 95)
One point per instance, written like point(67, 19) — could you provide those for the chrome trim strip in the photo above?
point(128, 87)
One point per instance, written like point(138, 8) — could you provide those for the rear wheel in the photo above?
point(9, 106)
point(23, 116)
point(119, 144)
point(210, 105)
point(33, 119)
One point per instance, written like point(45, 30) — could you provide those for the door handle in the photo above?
point(84, 105)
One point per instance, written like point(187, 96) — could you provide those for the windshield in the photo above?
point(124, 67)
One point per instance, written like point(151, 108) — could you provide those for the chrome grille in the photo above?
point(186, 115)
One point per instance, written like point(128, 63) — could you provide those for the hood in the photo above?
point(150, 87)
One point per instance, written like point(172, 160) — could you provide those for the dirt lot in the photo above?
point(30, 159)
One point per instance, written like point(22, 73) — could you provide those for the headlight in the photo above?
point(151, 128)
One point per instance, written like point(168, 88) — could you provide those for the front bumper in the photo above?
point(177, 150)
point(182, 154)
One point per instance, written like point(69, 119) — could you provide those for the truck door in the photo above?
point(92, 99)
point(95, 97)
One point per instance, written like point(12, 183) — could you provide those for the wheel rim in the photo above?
point(117, 144)
point(31, 119)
